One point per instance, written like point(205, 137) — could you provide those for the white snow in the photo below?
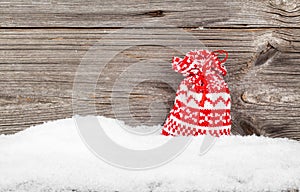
point(52, 157)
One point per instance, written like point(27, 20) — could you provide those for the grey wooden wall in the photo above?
point(42, 42)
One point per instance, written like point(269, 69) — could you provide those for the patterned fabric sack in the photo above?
point(202, 103)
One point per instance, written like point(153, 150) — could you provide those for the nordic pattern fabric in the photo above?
point(202, 103)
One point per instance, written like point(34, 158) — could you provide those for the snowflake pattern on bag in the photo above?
point(202, 103)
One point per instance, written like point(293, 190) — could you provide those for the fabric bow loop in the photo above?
point(198, 83)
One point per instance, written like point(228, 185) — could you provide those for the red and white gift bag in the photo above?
point(202, 103)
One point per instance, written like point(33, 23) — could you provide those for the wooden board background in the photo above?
point(42, 43)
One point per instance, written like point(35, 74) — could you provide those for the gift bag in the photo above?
point(202, 102)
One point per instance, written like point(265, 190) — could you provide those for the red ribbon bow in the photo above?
point(198, 83)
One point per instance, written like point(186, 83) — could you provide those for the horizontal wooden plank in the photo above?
point(38, 68)
point(117, 13)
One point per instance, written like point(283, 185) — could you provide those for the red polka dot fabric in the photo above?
point(202, 103)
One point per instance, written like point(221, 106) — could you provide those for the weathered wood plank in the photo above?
point(37, 70)
point(118, 13)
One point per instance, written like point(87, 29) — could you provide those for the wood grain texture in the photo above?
point(43, 42)
point(118, 13)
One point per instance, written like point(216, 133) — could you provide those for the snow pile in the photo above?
point(52, 157)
